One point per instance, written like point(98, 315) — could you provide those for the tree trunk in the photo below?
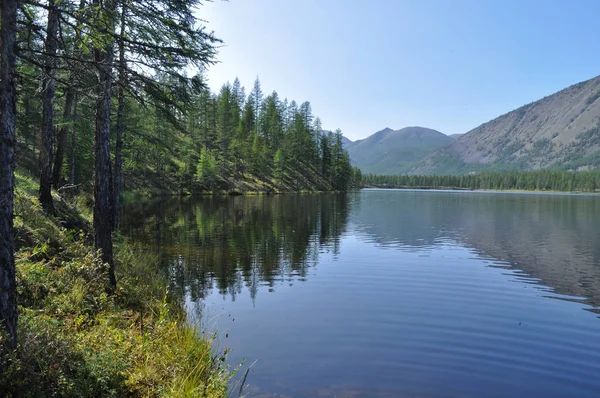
point(62, 139)
point(48, 108)
point(120, 119)
point(103, 214)
point(27, 128)
point(70, 104)
point(73, 153)
point(8, 79)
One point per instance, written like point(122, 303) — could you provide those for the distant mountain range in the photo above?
point(560, 131)
point(395, 151)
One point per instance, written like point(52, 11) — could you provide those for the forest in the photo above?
point(100, 98)
point(542, 180)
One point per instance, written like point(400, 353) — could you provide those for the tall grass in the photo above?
point(75, 339)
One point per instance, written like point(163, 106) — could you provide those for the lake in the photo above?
point(390, 292)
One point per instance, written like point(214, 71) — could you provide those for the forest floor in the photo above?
point(77, 340)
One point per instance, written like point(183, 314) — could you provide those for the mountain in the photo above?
point(346, 142)
point(456, 135)
point(559, 131)
point(395, 151)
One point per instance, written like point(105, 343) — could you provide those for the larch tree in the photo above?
point(103, 61)
point(256, 96)
point(8, 80)
point(158, 40)
point(122, 67)
point(72, 47)
point(48, 92)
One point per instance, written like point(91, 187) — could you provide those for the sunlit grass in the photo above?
point(75, 339)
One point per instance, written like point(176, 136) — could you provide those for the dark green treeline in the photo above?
point(544, 180)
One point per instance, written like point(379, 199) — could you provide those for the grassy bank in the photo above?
point(74, 339)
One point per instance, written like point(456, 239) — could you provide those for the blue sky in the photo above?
point(365, 65)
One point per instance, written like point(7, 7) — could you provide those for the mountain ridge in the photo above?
point(561, 130)
point(387, 150)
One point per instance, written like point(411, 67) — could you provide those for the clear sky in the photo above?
point(445, 64)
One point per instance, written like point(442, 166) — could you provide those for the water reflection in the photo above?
point(553, 238)
point(391, 292)
point(246, 241)
point(251, 241)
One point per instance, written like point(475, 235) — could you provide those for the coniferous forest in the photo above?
point(99, 98)
point(542, 180)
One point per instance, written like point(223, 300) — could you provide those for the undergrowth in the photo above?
point(76, 340)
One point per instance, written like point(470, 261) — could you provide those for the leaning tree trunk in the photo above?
point(8, 291)
point(62, 139)
point(48, 108)
point(120, 118)
point(103, 214)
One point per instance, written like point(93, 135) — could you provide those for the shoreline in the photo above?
point(460, 189)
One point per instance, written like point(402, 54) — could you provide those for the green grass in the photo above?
point(75, 340)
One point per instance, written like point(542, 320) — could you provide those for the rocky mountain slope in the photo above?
point(559, 131)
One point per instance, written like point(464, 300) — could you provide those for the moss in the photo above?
point(76, 340)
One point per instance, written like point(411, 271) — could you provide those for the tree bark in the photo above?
point(62, 139)
point(48, 108)
point(103, 213)
point(8, 291)
point(73, 153)
point(120, 118)
point(27, 128)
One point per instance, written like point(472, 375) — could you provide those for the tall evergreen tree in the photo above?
point(272, 121)
point(207, 168)
point(326, 156)
point(246, 129)
point(256, 96)
point(103, 211)
point(120, 127)
point(238, 92)
point(225, 122)
point(48, 91)
point(8, 80)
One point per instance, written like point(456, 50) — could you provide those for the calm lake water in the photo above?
point(391, 292)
